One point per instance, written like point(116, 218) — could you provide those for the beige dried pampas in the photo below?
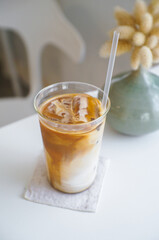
point(135, 58)
point(123, 17)
point(155, 54)
point(123, 47)
point(139, 10)
point(139, 33)
point(138, 39)
point(146, 57)
point(152, 41)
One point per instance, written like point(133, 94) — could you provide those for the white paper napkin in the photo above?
point(40, 190)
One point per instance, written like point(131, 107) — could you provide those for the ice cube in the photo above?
point(79, 102)
point(67, 102)
point(66, 118)
point(61, 110)
point(81, 115)
point(51, 107)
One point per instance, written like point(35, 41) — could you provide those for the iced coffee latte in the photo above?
point(72, 126)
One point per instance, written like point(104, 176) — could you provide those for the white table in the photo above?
point(129, 204)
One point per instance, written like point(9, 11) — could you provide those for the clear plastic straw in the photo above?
point(110, 68)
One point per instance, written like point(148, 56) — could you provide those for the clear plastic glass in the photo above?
point(71, 150)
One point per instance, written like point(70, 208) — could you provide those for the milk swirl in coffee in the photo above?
point(72, 156)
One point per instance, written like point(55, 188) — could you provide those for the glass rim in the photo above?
point(72, 124)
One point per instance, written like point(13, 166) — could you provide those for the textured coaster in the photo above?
point(40, 190)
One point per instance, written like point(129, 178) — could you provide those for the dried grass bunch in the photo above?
point(139, 33)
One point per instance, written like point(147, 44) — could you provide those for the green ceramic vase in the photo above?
point(134, 102)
